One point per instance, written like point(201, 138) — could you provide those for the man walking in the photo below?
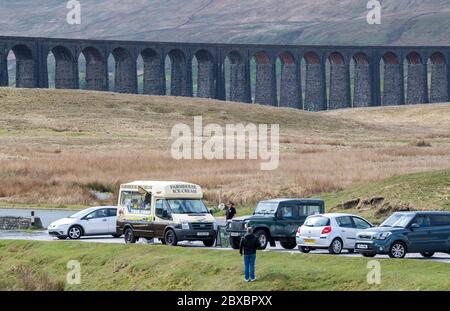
point(249, 245)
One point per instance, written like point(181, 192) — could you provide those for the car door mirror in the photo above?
point(211, 211)
point(414, 226)
point(88, 217)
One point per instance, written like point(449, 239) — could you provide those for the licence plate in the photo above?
point(362, 246)
point(235, 234)
point(202, 233)
point(309, 241)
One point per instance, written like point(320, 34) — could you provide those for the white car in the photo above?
point(92, 221)
point(331, 231)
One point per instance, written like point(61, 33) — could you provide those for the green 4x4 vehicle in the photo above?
point(275, 220)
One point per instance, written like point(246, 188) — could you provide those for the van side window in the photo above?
point(135, 202)
point(440, 220)
point(161, 209)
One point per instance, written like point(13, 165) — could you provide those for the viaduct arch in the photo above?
point(334, 77)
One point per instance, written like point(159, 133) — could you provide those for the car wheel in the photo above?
point(171, 238)
point(75, 232)
point(209, 243)
point(397, 250)
point(368, 255)
point(163, 242)
point(427, 254)
point(116, 235)
point(335, 247)
point(129, 236)
point(288, 244)
point(235, 242)
point(304, 249)
point(263, 238)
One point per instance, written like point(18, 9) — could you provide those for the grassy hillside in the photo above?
point(406, 22)
point(420, 191)
point(58, 148)
point(43, 266)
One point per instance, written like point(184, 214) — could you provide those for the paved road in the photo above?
point(43, 236)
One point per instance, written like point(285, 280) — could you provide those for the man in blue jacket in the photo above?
point(249, 245)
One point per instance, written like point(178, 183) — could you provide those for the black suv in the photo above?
point(275, 220)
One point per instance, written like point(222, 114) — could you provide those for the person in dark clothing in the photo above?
point(249, 245)
point(231, 211)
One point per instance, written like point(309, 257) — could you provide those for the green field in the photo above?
point(43, 265)
point(420, 191)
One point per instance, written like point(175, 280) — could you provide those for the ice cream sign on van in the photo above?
point(183, 188)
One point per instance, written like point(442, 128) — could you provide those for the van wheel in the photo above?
point(75, 232)
point(397, 250)
point(427, 254)
point(129, 236)
point(304, 249)
point(209, 243)
point(263, 238)
point(235, 242)
point(335, 247)
point(288, 244)
point(171, 238)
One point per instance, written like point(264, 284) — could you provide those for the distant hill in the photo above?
point(407, 22)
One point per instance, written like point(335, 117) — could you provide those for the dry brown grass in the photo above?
point(26, 279)
point(55, 146)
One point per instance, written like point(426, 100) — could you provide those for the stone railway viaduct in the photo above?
point(320, 93)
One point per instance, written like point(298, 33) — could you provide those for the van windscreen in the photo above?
point(187, 206)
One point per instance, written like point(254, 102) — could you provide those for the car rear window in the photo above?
point(317, 221)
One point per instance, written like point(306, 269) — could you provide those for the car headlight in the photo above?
point(52, 226)
point(382, 235)
point(185, 225)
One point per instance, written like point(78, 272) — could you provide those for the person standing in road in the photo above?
point(231, 211)
point(249, 245)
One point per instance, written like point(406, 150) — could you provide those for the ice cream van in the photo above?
point(169, 211)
